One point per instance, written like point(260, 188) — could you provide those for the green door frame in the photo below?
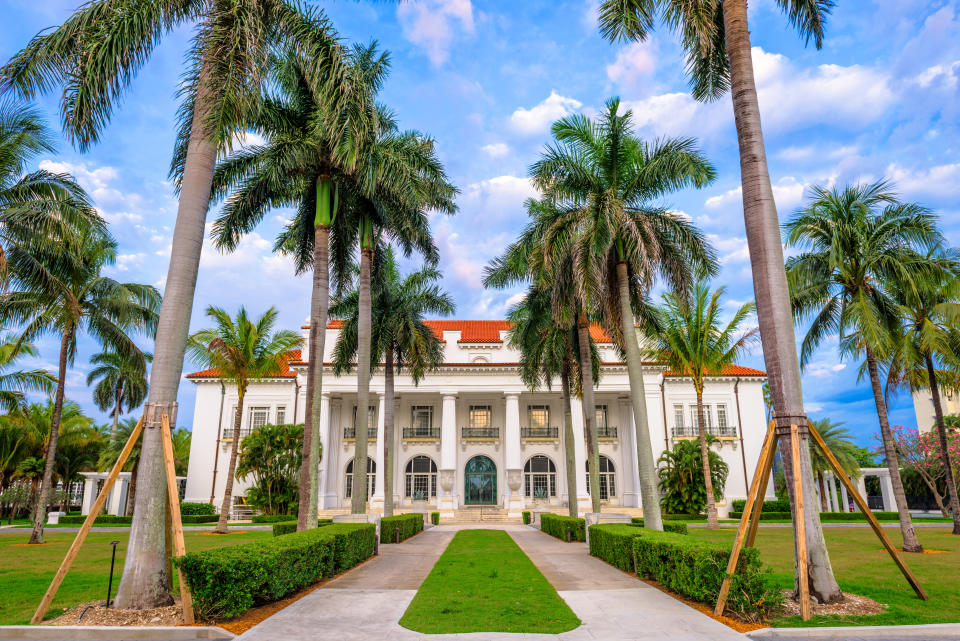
point(480, 481)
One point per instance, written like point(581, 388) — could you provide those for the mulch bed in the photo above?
point(852, 605)
point(740, 625)
point(99, 615)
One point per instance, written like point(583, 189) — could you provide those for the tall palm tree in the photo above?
point(716, 38)
point(399, 337)
point(15, 383)
point(242, 351)
point(838, 442)
point(855, 240)
point(121, 380)
point(78, 448)
point(607, 178)
point(56, 292)
point(694, 342)
point(94, 56)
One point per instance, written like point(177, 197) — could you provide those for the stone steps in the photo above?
point(482, 515)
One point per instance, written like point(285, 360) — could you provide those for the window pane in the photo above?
point(601, 416)
point(422, 417)
point(480, 416)
point(721, 415)
point(258, 416)
point(678, 415)
point(538, 416)
point(281, 415)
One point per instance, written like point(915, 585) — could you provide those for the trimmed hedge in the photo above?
point(273, 518)
point(526, 517)
point(677, 527)
point(407, 524)
point(191, 508)
point(684, 517)
point(289, 527)
point(695, 568)
point(556, 525)
point(228, 581)
point(187, 519)
point(825, 517)
point(103, 519)
point(435, 518)
point(775, 505)
point(613, 543)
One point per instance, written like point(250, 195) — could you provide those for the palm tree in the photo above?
point(15, 383)
point(78, 447)
point(399, 337)
point(716, 38)
point(694, 342)
point(606, 178)
point(94, 56)
point(838, 441)
point(121, 380)
point(682, 476)
point(58, 293)
point(242, 351)
point(855, 240)
point(111, 452)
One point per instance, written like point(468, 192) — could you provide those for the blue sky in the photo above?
point(486, 79)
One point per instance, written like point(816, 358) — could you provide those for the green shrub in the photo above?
point(683, 517)
point(556, 525)
point(406, 525)
point(273, 518)
point(187, 519)
point(228, 581)
point(435, 518)
point(103, 519)
point(192, 509)
point(677, 527)
point(613, 543)
point(695, 568)
point(824, 516)
point(776, 505)
point(526, 518)
point(289, 527)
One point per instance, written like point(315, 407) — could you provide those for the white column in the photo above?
point(376, 501)
point(329, 455)
point(580, 455)
point(862, 486)
point(886, 491)
point(89, 494)
point(628, 443)
point(448, 455)
point(511, 446)
point(832, 488)
point(844, 498)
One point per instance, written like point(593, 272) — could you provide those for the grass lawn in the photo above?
point(863, 567)
point(26, 570)
point(484, 582)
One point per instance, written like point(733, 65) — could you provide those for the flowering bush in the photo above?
point(920, 452)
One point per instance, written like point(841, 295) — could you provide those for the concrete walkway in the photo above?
point(367, 603)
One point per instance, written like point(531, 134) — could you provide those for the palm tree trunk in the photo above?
point(132, 491)
point(910, 541)
point(650, 498)
point(770, 284)
point(944, 451)
point(319, 303)
point(824, 505)
point(145, 582)
point(36, 536)
point(712, 523)
point(232, 465)
point(589, 410)
point(116, 416)
point(388, 414)
point(358, 504)
point(569, 445)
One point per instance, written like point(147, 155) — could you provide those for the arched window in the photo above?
point(421, 478)
point(371, 478)
point(539, 477)
point(608, 477)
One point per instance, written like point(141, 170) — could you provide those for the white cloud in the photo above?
point(498, 195)
point(496, 149)
point(787, 193)
point(731, 249)
point(824, 369)
point(248, 139)
point(817, 152)
point(678, 114)
point(431, 25)
point(539, 118)
point(942, 180)
point(634, 64)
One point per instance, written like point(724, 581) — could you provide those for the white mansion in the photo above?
point(472, 434)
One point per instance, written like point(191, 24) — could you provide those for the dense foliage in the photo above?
point(272, 455)
point(682, 486)
point(677, 527)
point(188, 508)
point(613, 543)
point(289, 527)
point(556, 525)
point(777, 505)
point(401, 527)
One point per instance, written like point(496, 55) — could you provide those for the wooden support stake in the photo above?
point(803, 580)
point(862, 504)
point(754, 502)
point(87, 524)
point(173, 498)
point(764, 468)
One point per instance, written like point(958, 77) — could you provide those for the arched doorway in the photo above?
point(480, 481)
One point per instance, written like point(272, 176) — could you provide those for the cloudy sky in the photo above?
point(486, 79)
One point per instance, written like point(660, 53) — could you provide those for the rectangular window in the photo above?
point(601, 416)
point(371, 416)
point(538, 416)
point(421, 417)
point(281, 415)
point(706, 416)
point(721, 415)
point(258, 416)
point(678, 416)
point(481, 416)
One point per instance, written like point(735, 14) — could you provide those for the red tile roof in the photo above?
point(731, 370)
point(285, 371)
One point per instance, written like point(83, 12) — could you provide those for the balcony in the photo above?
point(423, 433)
point(725, 431)
point(539, 432)
point(607, 431)
point(229, 433)
point(350, 433)
point(480, 432)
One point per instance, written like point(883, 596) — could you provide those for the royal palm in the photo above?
point(121, 381)
point(15, 382)
point(838, 442)
point(242, 350)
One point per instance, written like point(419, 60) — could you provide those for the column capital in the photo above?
point(513, 395)
point(448, 396)
point(324, 396)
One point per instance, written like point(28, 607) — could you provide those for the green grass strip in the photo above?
point(484, 582)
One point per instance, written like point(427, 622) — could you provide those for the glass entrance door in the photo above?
point(480, 481)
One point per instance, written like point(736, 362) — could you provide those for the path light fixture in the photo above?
point(113, 560)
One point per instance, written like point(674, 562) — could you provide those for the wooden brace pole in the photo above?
point(754, 503)
point(892, 551)
point(800, 526)
point(87, 524)
point(767, 468)
point(173, 498)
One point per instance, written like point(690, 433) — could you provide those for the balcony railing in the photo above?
point(606, 431)
point(229, 432)
point(422, 432)
point(350, 433)
point(714, 430)
point(480, 432)
point(539, 432)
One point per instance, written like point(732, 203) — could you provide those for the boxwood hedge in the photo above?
point(103, 519)
point(556, 525)
point(192, 508)
point(826, 517)
point(776, 505)
point(273, 518)
point(187, 519)
point(401, 526)
point(289, 527)
point(677, 527)
point(228, 581)
point(526, 517)
point(435, 518)
point(613, 543)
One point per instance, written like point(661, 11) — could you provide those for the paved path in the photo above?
point(367, 603)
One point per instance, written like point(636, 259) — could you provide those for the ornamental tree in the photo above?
point(920, 452)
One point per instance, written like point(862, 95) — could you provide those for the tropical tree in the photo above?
point(272, 454)
point(111, 453)
point(121, 380)
point(399, 338)
point(838, 442)
point(15, 383)
point(856, 240)
point(94, 56)
point(920, 453)
point(682, 477)
point(18, 441)
point(607, 178)
point(694, 342)
point(242, 351)
point(57, 292)
point(78, 448)
point(716, 38)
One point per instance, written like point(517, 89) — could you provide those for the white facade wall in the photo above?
point(481, 374)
